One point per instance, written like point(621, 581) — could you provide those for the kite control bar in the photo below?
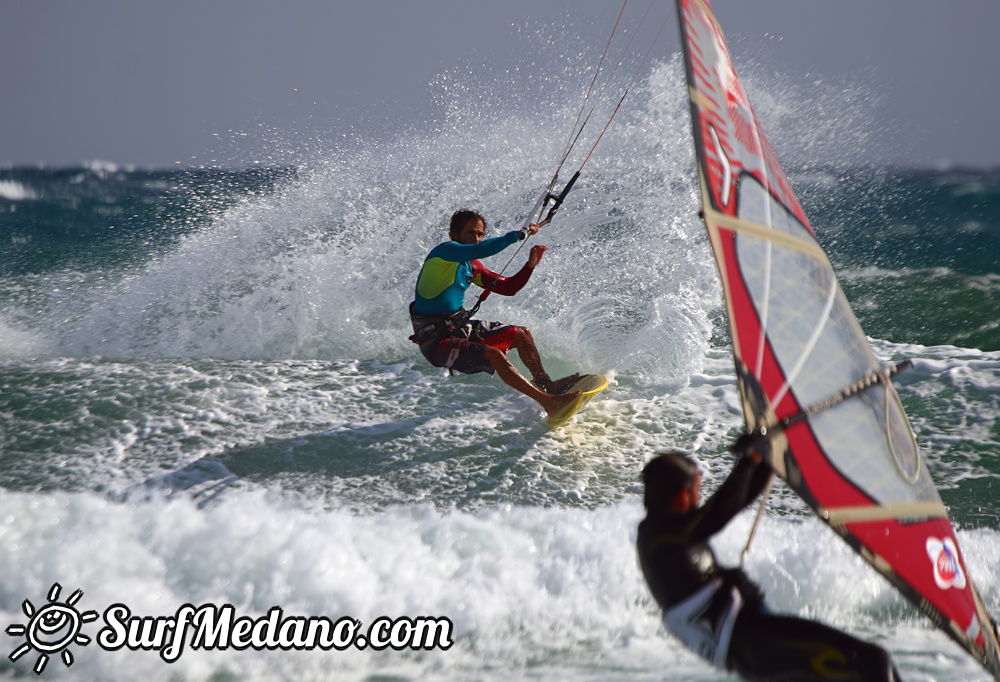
point(558, 199)
point(540, 205)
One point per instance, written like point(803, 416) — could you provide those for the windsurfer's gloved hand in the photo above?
point(752, 442)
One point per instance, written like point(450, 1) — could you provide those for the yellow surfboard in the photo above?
point(589, 385)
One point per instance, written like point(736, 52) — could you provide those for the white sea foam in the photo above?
point(16, 342)
point(529, 590)
point(102, 167)
point(15, 191)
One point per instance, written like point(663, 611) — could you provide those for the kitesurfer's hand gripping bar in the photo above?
point(759, 438)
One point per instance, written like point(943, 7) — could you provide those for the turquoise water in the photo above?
point(207, 396)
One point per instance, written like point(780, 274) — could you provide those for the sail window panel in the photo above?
point(853, 437)
point(853, 441)
point(821, 350)
point(807, 320)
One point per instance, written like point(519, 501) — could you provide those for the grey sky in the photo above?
point(148, 83)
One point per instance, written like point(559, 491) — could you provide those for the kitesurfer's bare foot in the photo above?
point(554, 387)
point(559, 385)
point(554, 404)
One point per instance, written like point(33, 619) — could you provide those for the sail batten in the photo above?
point(796, 342)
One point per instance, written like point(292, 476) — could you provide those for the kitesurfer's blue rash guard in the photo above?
point(451, 267)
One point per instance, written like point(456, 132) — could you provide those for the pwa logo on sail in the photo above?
point(944, 556)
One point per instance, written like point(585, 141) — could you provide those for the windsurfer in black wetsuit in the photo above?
point(720, 613)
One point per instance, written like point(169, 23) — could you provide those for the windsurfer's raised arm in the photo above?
point(746, 481)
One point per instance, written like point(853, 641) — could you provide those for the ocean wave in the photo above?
point(525, 588)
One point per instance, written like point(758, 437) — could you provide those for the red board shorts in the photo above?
point(469, 355)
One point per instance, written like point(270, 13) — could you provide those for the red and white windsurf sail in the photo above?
point(796, 342)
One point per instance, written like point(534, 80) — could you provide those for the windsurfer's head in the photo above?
point(467, 227)
point(672, 481)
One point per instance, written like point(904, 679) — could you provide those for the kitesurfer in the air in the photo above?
point(720, 613)
point(443, 330)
